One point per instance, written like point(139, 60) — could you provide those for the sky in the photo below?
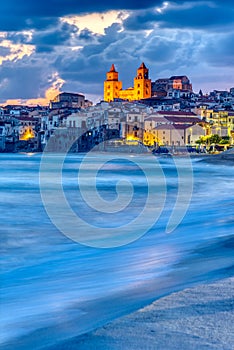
point(51, 46)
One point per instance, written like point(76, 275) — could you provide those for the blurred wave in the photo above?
point(53, 289)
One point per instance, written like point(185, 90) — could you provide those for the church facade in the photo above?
point(140, 90)
point(143, 87)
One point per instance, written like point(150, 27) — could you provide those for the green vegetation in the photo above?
point(213, 139)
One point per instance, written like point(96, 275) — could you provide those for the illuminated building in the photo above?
point(27, 128)
point(113, 87)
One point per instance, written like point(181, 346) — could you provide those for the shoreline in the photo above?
point(199, 317)
point(224, 158)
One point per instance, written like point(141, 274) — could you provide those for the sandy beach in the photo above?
point(196, 318)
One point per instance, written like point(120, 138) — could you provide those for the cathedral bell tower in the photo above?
point(142, 83)
point(112, 85)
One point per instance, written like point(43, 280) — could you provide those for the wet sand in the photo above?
point(201, 317)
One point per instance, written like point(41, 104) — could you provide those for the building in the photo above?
point(177, 134)
point(220, 122)
point(67, 99)
point(113, 87)
point(174, 87)
point(133, 127)
point(28, 128)
point(174, 128)
point(180, 82)
point(2, 137)
point(76, 120)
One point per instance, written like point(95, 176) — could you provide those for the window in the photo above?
point(138, 92)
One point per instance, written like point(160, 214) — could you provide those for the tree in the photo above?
point(225, 140)
point(214, 139)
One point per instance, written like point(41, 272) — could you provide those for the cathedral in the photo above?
point(113, 87)
point(143, 87)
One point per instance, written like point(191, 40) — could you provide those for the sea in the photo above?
point(87, 238)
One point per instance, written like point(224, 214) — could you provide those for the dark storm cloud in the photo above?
point(11, 22)
point(89, 65)
point(65, 7)
point(112, 34)
point(195, 16)
point(173, 46)
point(63, 35)
point(219, 51)
point(86, 35)
point(57, 36)
point(20, 81)
point(198, 17)
point(24, 14)
point(18, 37)
point(161, 50)
point(44, 49)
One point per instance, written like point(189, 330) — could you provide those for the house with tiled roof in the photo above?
point(175, 134)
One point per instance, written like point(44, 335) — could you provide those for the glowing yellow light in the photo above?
point(131, 138)
point(28, 134)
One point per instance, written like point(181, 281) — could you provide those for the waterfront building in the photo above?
point(173, 128)
point(2, 137)
point(220, 122)
point(178, 134)
point(133, 127)
point(28, 128)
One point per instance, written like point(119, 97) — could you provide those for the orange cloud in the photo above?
point(50, 94)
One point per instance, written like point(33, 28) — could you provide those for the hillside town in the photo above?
point(165, 114)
